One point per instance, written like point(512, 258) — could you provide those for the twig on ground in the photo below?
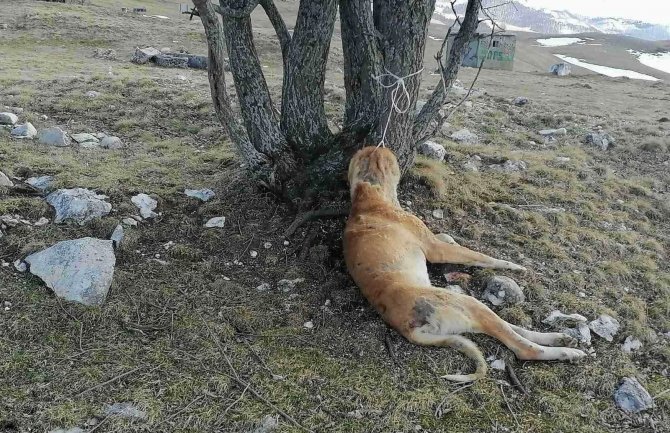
point(244, 391)
point(439, 409)
point(312, 214)
point(515, 380)
point(234, 376)
point(99, 424)
point(171, 417)
point(509, 407)
point(114, 379)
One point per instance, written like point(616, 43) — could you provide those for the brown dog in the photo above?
point(386, 249)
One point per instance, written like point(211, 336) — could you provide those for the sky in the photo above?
point(653, 11)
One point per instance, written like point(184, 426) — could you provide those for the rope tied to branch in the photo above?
point(401, 101)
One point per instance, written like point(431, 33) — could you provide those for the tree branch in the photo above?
point(439, 96)
point(303, 114)
point(279, 25)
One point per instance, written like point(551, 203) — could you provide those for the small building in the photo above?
point(496, 54)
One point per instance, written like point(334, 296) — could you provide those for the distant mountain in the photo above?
point(520, 16)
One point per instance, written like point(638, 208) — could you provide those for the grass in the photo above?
point(605, 253)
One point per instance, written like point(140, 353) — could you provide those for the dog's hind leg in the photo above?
point(545, 338)
point(486, 321)
point(438, 251)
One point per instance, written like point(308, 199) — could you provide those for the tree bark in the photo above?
point(303, 114)
point(403, 25)
point(258, 163)
point(363, 62)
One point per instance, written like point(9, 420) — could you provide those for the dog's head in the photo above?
point(376, 166)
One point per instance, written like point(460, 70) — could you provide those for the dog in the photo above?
point(386, 249)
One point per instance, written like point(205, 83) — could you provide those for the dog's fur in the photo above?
point(386, 250)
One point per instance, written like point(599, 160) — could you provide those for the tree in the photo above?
point(381, 39)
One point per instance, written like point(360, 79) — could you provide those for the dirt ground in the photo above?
point(181, 336)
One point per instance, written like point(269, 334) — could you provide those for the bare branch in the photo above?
point(431, 109)
point(279, 25)
point(453, 9)
point(229, 11)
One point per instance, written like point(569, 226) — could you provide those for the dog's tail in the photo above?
point(467, 348)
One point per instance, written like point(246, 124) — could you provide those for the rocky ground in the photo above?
point(205, 318)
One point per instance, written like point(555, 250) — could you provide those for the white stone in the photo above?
point(216, 222)
point(130, 222)
point(553, 132)
point(202, 194)
point(84, 138)
point(253, 254)
point(605, 327)
point(92, 94)
point(632, 397)
point(4, 180)
point(432, 150)
point(79, 270)
point(631, 344)
point(53, 137)
point(125, 410)
point(78, 204)
point(41, 222)
point(465, 136)
point(145, 204)
point(117, 236)
point(498, 364)
point(503, 290)
point(308, 325)
point(42, 183)
point(8, 118)
point(557, 318)
point(287, 285)
point(27, 130)
point(20, 265)
point(438, 213)
point(111, 142)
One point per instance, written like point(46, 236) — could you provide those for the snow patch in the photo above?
point(606, 70)
point(559, 42)
point(660, 61)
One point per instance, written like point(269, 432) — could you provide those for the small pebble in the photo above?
point(308, 325)
point(253, 254)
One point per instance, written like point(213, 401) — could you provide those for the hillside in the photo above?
point(237, 328)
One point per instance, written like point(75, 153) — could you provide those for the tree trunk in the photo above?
point(381, 39)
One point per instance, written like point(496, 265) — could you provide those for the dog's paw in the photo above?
point(573, 355)
point(566, 340)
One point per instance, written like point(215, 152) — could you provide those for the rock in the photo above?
point(78, 204)
point(465, 136)
point(510, 166)
point(556, 318)
point(471, 166)
point(560, 69)
point(8, 118)
point(53, 137)
point(20, 265)
point(605, 327)
point(267, 425)
point(145, 204)
point(438, 213)
point(498, 364)
point(27, 130)
point(193, 60)
point(455, 288)
point(41, 222)
point(111, 142)
point(84, 138)
point(520, 101)
point(600, 140)
point(632, 397)
point(288, 285)
point(264, 287)
point(4, 180)
point(216, 222)
point(201, 194)
point(125, 410)
point(432, 150)
point(562, 159)
point(503, 290)
point(79, 270)
point(552, 132)
point(308, 325)
point(143, 55)
point(117, 236)
point(631, 344)
point(42, 183)
point(581, 333)
point(167, 61)
point(130, 222)
point(92, 94)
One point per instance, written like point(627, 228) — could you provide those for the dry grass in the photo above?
point(605, 253)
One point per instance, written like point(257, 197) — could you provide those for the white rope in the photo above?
point(398, 93)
